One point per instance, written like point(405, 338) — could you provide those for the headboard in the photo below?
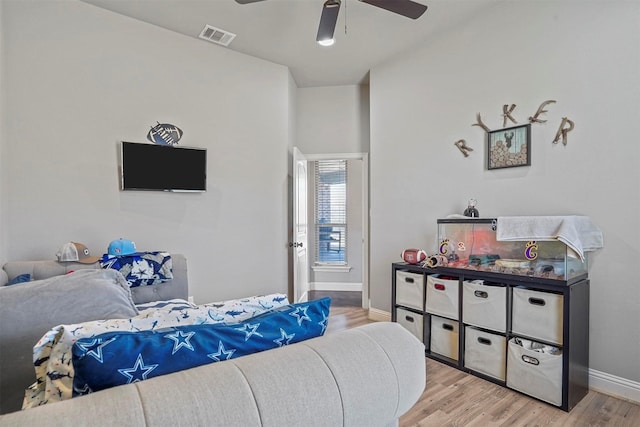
point(178, 287)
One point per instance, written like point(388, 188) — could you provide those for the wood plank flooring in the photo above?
point(339, 298)
point(455, 398)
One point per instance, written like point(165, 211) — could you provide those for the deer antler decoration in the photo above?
point(562, 131)
point(566, 126)
point(541, 110)
point(462, 146)
point(506, 114)
point(482, 125)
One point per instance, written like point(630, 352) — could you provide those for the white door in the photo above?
point(299, 240)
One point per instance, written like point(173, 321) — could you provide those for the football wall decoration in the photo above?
point(164, 134)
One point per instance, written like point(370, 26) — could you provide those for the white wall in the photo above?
point(333, 119)
point(3, 167)
point(293, 111)
point(78, 79)
point(585, 55)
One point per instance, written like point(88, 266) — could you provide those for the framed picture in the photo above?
point(509, 147)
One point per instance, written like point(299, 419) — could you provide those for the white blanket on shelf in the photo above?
point(577, 232)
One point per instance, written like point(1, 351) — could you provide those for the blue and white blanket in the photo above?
point(52, 355)
point(117, 358)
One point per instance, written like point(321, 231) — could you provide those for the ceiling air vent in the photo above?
point(216, 35)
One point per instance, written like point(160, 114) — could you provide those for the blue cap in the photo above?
point(122, 247)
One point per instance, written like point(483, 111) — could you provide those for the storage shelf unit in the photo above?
point(473, 326)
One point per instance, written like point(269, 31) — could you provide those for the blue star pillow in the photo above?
point(116, 358)
point(141, 268)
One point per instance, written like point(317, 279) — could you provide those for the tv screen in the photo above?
point(163, 167)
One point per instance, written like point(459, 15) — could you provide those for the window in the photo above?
point(331, 211)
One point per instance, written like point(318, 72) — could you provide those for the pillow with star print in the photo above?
point(141, 268)
point(116, 358)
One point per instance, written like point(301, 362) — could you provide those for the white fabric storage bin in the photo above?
point(410, 289)
point(485, 352)
point(412, 322)
point(442, 297)
point(537, 314)
point(444, 337)
point(484, 306)
point(536, 374)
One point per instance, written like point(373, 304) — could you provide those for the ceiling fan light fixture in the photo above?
point(326, 42)
point(328, 21)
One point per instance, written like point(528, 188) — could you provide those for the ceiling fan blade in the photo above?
point(328, 20)
point(247, 1)
point(407, 8)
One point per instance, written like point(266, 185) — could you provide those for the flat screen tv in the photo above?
point(163, 167)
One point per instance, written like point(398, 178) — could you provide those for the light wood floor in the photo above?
point(454, 398)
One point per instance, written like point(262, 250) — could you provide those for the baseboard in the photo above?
point(335, 286)
point(612, 385)
point(379, 315)
point(618, 387)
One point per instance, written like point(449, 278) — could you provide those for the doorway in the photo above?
point(338, 280)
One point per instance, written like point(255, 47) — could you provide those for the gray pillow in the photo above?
point(29, 310)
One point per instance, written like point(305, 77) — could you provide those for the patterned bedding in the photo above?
point(117, 358)
point(53, 354)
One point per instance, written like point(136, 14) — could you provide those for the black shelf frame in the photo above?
point(575, 318)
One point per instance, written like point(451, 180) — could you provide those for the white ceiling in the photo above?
point(284, 31)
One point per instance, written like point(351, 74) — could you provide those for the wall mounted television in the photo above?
point(163, 167)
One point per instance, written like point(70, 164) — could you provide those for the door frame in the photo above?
point(299, 242)
point(366, 303)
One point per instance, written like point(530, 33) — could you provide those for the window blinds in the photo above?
point(331, 211)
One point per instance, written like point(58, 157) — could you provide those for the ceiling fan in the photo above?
point(330, 10)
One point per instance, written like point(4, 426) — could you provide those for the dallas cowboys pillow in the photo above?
point(116, 358)
point(141, 268)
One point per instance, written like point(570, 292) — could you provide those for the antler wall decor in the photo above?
point(462, 146)
point(540, 110)
point(482, 125)
point(566, 126)
point(562, 131)
point(506, 114)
